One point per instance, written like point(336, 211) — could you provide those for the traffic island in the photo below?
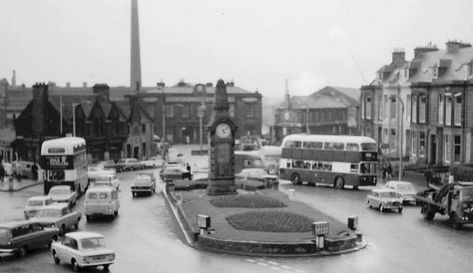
point(261, 222)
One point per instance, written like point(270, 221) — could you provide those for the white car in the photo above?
point(63, 194)
point(82, 249)
point(58, 215)
point(153, 162)
point(384, 199)
point(406, 190)
point(36, 202)
point(107, 180)
point(94, 171)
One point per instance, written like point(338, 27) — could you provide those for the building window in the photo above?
point(380, 107)
point(414, 109)
point(329, 115)
point(169, 111)
point(368, 131)
point(231, 110)
point(363, 115)
point(448, 153)
point(143, 149)
point(250, 110)
point(440, 109)
point(448, 110)
point(435, 72)
point(368, 107)
point(185, 111)
point(143, 128)
point(392, 139)
point(457, 149)
point(386, 106)
point(393, 108)
point(458, 110)
point(422, 108)
point(408, 108)
point(414, 143)
point(421, 145)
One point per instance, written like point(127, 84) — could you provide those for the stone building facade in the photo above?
point(329, 111)
point(435, 90)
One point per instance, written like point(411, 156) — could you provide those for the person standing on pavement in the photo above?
point(389, 170)
point(18, 172)
point(2, 170)
point(34, 171)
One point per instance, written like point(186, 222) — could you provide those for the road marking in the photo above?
point(250, 260)
point(262, 264)
point(285, 267)
point(273, 263)
point(276, 268)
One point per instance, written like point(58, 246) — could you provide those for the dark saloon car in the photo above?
point(21, 236)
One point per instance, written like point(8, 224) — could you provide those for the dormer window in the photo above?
point(380, 76)
point(405, 74)
point(435, 72)
point(470, 70)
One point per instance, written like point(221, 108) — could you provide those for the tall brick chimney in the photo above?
point(424, 49)
point(102, 91)
point(454, 46)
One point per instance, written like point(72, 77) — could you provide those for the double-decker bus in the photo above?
point(64, 161)
point(327, 159)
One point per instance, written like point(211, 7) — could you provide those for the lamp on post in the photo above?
point(74, 104)
point(400, 134)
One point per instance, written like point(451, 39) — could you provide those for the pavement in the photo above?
point(17, 185)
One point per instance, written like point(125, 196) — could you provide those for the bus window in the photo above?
point(354, 168)
point(339, 146)
point(353, 147)
point(293, 144)
point(313, 145)
point(368, 147)
point(307, 165)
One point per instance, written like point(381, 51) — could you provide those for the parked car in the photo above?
point(153, 162)
point(58, 215)
point(97, 170)
point(107, 180)
point(147, 174)
point(108, 164)
point(258, 174)
point(384, 199)
point(21, 236)
point(82, 249)
point(101, 201)
point(129, 164)
point(143, 184)
point(36, 202)
point(172, 172)
point(63, 194)
point(406, 190)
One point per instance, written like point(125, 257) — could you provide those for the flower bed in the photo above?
point(270, 221)
point(246, 201)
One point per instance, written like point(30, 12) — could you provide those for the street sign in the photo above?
point(203, 221)
point(320, 228)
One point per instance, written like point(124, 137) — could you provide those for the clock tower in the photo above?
point(221, 132)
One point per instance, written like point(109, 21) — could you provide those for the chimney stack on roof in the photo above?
point(399, 57)
point(424, 49)
point(230, 84)
point(102, 90)
point(68, 84)
point(84, 85)
point(454, 46)
point(160, 85)
point(209, 84)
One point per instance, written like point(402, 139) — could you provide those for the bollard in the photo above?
point(353, 222)
point(359, 237)
point(10, 183)
point(292, 193)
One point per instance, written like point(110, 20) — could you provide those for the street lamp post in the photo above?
point(74, 118)
point(400, 137)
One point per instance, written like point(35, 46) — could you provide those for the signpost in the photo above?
point(320, 229)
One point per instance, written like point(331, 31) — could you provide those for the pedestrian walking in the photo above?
point(18, 172)
point(34, 171)
point(428, 175)
point(389, 170)
point(2, 171)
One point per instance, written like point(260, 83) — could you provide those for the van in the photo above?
point(245, 160)
point(101, 201)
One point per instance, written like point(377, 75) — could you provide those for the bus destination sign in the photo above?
point(58, 162)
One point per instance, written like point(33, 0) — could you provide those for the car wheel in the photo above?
point(455, 220)
point(115, 213)
point(63, 229)
point(355, 188)
point(296, 179)
point(76, 225)
point(399, 210)
point(75, 265)
point(105, 267)
point(369, 205)
point(21, 252)
point(55, 257)
point(428, 215)
point(88, 218)
point(339, 183)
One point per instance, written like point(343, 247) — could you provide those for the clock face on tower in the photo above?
point(223, 130)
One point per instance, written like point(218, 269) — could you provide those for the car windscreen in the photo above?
point(92, 195)
point(387, 194)
point(59, 191)
point(35, 203)
point(48, 213)
point(92, 243)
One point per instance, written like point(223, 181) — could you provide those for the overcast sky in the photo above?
point(258, 44)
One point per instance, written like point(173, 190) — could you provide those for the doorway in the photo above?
point(433, 149)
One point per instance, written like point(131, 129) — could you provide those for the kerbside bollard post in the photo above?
point(320, 229)
point(353, 222)
point(292, 194)
point(203, 222)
